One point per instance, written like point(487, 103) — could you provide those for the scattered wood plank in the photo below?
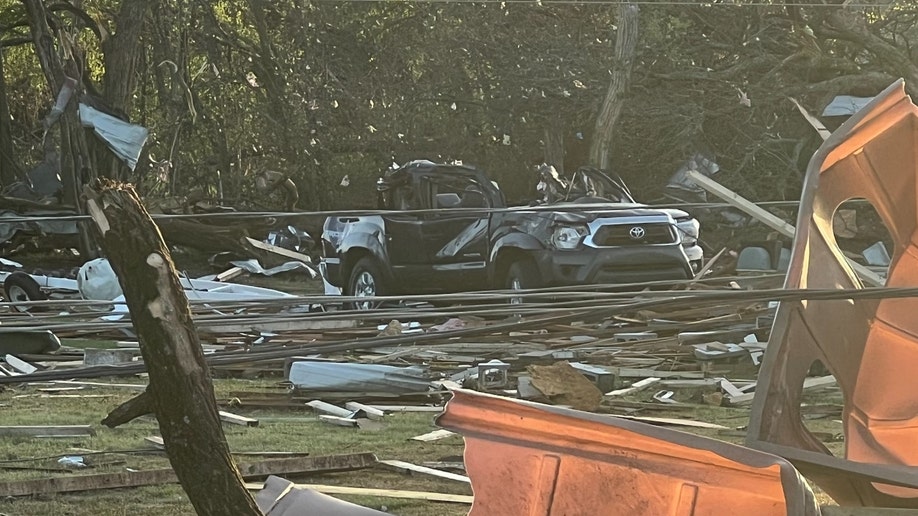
point(339, 421)
point(814, 122)
point(409, 467)
point(235, 419)
point(264, 246)
point(730, 389)
point(20, 365)
point(635, 387)
point(229, 274)
point(294, 466)
point(134, 386)
point(436, 435)
point(808, 384)
point(770, 220)
point(328, 408)
point(673, 422)
point(441, 465)
point(406, 408)
point(370, 412)
point(46, 431)
point(383, 493)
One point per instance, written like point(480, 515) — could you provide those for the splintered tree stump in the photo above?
point(180, 388)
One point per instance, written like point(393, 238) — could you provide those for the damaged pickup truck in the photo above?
point(447, 228)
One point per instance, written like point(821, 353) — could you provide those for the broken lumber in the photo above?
point(46, 431)
point(20, 365)
point(409, 467)
point(293, 466)
point(235, 419)
point(668, 421)
point(635, 387)
point(328, 408)
point(370, 412)
point(808, 384)
point(286, 253)
point(383, 493)
point(770, 220)
point(339, 421)
point(436, 435)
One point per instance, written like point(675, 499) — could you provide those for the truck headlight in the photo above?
point(568, 237)
point(689, 229)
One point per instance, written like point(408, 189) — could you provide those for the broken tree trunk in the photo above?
point(180, 386)
point(625, 43)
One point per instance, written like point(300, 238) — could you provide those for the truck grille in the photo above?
point(634, 234)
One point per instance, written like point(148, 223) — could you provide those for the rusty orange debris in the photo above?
point(536, 460)
point(870, 345)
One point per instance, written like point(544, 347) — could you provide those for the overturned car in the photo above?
point(447, 228)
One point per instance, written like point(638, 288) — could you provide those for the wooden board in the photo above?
point(667, 421)
point(46, 431)
point(235, 419)
point(371, 413)
point(384, 493)
point(339, 421)
point(436, 435)
point(328, 408)
point(409, 467)
point(20, 365)
point(264, 246)
point(293, 466)
point(770, 220)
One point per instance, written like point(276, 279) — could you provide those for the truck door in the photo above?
point(404, 241)
point(456, 239)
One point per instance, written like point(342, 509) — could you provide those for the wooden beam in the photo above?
point(740, 202)
point(294, 466)
point(20, 365)
point(46, 431)
point(383, 493)
point(235, 419)
point(286, 253)
point(436, 435)
point(371, 412)
point(328, 408)
point(778, 224)
point(339, 421)
point(409, 467)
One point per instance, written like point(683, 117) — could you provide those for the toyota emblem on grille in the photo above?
point(636, 233)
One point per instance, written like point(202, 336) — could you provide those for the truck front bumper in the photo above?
point(588, 266)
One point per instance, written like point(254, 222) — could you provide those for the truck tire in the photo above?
point(19, 287)
point(521, 275)
point(366, 280)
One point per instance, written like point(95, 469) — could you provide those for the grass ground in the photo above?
point(287, 430)
point(124, 447)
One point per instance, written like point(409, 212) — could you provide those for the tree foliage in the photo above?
point(322, 90)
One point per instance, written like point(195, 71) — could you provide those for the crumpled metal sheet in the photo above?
point(17, 222)
point(124, 139)
point(529, 459)
point(308, 375)
point(869, 345)
point(280, 497)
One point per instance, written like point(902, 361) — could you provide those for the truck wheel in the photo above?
point(19, 287)
point(521, 275)
point(366, 281)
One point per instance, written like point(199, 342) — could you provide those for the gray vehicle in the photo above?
point(447, 228)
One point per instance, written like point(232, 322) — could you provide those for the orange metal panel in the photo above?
point(536, 460)
point(871, 346)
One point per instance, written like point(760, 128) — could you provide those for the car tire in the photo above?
point(19, 287)
point(521, 275)
point(366, 279)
